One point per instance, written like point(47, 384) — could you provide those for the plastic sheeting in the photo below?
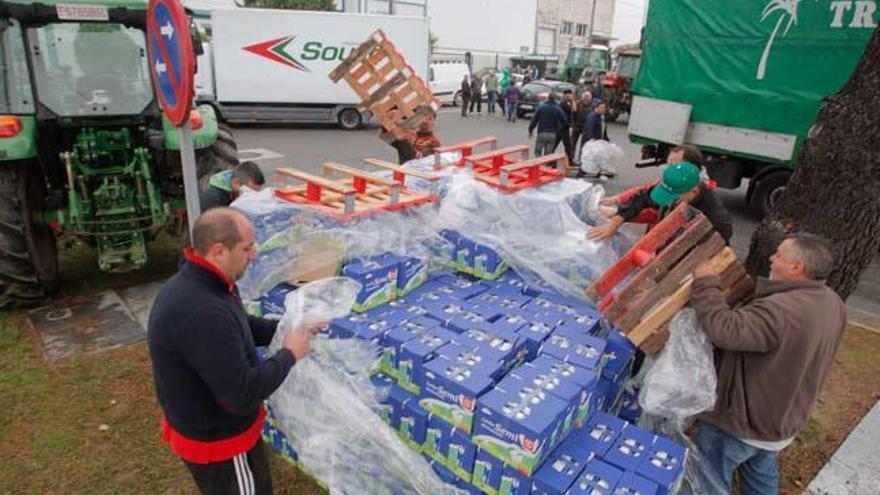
point(601, 156)
point(679, 385)
point(329, 409)
point(536, 231)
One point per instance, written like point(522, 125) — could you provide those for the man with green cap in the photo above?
point(680, 183)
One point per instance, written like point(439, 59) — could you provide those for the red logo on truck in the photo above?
point(275, 50)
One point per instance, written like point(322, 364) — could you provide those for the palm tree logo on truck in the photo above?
point(788, 10)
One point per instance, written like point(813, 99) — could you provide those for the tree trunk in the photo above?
point(836, 190)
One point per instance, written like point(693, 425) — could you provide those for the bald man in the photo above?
point(210, 383)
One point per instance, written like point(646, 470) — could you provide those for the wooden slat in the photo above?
point(531, 162)
point(315, 179)
point(466, 144)
point(635, 309)
point(345, 169)
point(667, 309)
point(342, 69)
point(403, 170)
point(499, 152)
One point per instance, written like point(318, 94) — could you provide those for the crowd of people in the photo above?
point(772, 354)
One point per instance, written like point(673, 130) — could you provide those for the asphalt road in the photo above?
point(307, 147)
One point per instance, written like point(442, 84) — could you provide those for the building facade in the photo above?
point(562, 24)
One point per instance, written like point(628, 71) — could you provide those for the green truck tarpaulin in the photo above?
point(764, 65)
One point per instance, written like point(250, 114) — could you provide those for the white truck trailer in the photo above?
point(271, 66)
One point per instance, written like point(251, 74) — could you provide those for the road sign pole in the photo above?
point(190, 177)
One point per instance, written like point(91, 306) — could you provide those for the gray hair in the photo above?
point(816, 252)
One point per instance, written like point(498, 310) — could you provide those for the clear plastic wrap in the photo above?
point(535, 230)
point(599, 156)
point(328, 408)
point(676, 387)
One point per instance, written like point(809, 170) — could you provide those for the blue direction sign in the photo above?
point(169, 47)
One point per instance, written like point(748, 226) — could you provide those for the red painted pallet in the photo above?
point(519, 175)
point(358, 195)
point(387, 85)
point(466, 148)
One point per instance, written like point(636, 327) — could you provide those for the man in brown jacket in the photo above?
point(772, 356)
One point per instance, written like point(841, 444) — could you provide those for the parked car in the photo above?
point(537, 92)
point(445, 78)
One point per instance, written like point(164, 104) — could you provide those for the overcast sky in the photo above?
point(628, 15)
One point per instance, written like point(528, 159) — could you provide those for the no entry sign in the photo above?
point(171, 58)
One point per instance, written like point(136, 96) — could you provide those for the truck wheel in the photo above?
point(28, 254)
point(350, 119)
point(222, 155)
point(456, 99)
point(766, 191)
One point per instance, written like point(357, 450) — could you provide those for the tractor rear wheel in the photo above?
point(28, 254)
point(222, 155)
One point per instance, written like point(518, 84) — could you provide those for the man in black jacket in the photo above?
point(465, 94)
point(223, 187)
point(568, 107)
point(209, 381)
point(548, 119)
point(477, 94)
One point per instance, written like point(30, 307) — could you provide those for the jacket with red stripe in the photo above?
point(209, 380)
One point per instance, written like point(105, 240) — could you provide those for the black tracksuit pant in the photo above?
point(245, 474)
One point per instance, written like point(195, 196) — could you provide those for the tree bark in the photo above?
point(835, 192)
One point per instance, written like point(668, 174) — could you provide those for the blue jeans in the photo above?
point(492, 96)
point(511, 110)
point(758, 468)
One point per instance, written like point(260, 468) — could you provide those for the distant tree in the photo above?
point(327, 5)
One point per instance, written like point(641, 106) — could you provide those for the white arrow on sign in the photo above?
point(160, 67)
point(167, 30)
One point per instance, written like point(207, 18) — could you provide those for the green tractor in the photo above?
point(84, 149)
point(582, 65)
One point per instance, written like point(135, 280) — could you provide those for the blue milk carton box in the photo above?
point(619, 353)
point(383, 383)
point(518, 423)
point(597, 478)
point(414, 353)
point(533, 333)
point(347, 326)
point(397, 337)
point(628, 407)
point(461, 453)
point(585, 380)
point(587, 324)
point(450, 388)
point(465, 250)
point(443, 473)
point(467, 319)
point(630, 449)
point(607, 395)
point(397, 399)
point(633, 484)
point(488, 264)
point(664, 465)
point(412, 272)
point(413, 424)
point(559, 471)
point(507, 350)
point(514, 483)
point(272, 302)
point(506, 300)
point(378, 279)
point(437, 437)
point(581, 350)
point(487, 472)
point(601, 431)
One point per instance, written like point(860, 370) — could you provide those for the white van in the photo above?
point(445, 80)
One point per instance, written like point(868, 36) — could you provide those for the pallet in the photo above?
point(652, 281)
point(518, 175)
point(384, 81)
point(400, 173)
point(358, 194)
point(466, 148)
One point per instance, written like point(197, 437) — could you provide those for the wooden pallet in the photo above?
point(466, 148)
point(387, 85)
point(358, 194)
point(652, 281)
point(509, 175)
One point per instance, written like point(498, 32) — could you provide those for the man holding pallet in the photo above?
point(772, 356)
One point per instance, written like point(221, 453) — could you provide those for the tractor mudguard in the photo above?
point(24, 144)
point(203, 137)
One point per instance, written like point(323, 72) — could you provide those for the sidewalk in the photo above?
point(855, 467)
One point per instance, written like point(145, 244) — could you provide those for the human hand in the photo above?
point(298, 341)
point(704, 269)
point(603, 232)
point(608, 201)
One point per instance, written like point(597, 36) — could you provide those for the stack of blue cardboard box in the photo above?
point(505, 388)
